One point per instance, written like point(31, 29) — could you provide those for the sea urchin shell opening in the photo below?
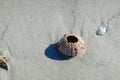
point(72, 39)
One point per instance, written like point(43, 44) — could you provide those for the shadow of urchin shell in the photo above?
point(71, 45)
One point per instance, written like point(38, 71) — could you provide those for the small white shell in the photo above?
point(101, 31)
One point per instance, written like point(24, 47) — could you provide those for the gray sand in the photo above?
point(29, 30)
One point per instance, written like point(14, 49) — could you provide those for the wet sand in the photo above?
point(30, 29)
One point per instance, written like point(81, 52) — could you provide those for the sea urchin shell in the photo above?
point(71, 45)
point(3, 63)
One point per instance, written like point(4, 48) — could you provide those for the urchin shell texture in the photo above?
point(71, 45)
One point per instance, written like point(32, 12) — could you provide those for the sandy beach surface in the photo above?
point(30, 29)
